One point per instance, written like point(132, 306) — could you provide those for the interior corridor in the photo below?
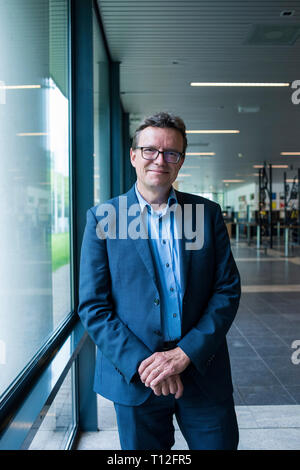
point(266, 381)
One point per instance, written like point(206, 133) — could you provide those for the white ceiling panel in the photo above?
point(164, 45)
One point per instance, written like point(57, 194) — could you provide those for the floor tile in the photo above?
point(294, 390)
point(237, 397)
point(271, 340)
point(269, 439)
point(101, 440)
point(245, 418)
point(265, 395)
point(284, 416)
point(240, 347)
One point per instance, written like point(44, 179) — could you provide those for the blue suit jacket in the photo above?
point(119, 305)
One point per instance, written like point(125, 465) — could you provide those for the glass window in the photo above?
point(58, 420)
point(34, 178)
point(101, 117)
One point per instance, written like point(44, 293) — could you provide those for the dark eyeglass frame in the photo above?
point(179, 154)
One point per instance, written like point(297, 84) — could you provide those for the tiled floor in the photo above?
point(266, 381)
point(260, 349)
point(268, 322)
point(260, 427)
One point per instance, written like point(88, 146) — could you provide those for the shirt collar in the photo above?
point(172, 199)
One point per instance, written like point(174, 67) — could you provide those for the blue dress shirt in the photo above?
point(164, 246)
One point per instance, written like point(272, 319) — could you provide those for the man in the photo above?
point(159, 289)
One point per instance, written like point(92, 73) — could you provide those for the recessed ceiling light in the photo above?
point(213, 132)
point(273, 166)
point(280, 166)
point(18, 87)
point(233, 181)
point(201, 153)
point(290, 153)
point(31, 134)
point(242, 84)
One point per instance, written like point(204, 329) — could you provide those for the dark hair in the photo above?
point(162, 120)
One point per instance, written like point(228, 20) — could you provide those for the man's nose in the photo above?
point(160, 159)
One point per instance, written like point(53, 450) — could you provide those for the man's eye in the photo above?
point(149, 151)
point(171, 154)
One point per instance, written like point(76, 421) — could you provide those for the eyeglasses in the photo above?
point(151, 153)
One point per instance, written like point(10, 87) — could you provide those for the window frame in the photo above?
point(15, 396)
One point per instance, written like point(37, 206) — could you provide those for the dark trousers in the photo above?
point(204, 424)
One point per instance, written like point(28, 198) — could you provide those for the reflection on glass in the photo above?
point(101, 117)
point(60, 237)
point(34, 178)
point(58, 421)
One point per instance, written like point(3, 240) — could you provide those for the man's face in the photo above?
point(157, 174)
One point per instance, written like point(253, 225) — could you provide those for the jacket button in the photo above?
point(157, 332)
point(156, 301)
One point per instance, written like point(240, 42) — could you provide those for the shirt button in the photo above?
point(172, 289)
point(164, 242)
point(156, 301)
point(167, 265)
point(157, 332)
point(174, 315)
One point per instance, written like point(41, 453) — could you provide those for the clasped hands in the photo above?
point(161, 371)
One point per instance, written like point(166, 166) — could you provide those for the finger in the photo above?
point(179, 392)
point(156, 377)
point(168, 368)
point(165, 388)
point(145, 363)
point(147, 370)
point(154, 361)
point(157, 390)
point(152, 371)
point(172, 384)
point(157, 357)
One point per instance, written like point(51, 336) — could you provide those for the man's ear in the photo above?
point(132, 157)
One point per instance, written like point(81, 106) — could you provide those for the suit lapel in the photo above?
point(143, 248)
point(141, 244)
point(185, 255)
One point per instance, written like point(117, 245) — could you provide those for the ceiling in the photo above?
point(163, 45)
